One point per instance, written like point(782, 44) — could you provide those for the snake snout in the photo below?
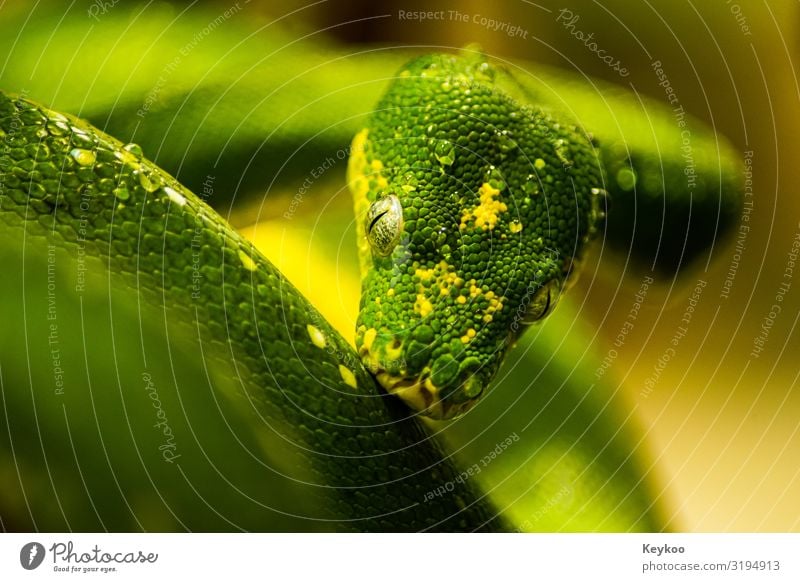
point(440, 387)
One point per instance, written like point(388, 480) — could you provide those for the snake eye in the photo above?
point(543, 302)
point(384, 225)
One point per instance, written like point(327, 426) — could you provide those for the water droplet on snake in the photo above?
point(83, 157)
point(445, 152)
point(494, 177)
point(408, 182)
point(149, 182)
point(531, 186)
point(57, 127)
point(134, 148)
point(505, 142)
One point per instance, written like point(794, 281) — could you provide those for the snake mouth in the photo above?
point(438, 391)
point(423, 396)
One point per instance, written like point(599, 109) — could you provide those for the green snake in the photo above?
point(473, 205)
point(473, 211)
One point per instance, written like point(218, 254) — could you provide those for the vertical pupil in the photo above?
point(375, 221)
point(383, 224)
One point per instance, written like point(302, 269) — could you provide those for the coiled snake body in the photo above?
point(473, 207)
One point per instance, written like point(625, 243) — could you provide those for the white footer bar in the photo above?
point(400, 557)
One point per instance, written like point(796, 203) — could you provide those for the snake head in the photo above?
point(472, 208)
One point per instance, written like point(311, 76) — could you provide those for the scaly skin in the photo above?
point(150, 265)
point(312, 96)
point(497, 199)
point(70, 191)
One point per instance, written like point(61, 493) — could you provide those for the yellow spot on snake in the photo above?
point(495, 304)
point(356, 166)
point(516, 226)
point(369, 337)
point(390, 292)
point(317, 337)
point(486, 212)
point(348, 376)
point(422, 306)
point(424, 274)
point(474, 290)
point(447, 278)
point(539, 163)
point(394, 350)
point(247, 262)
point(366, 181)
point(461, 299)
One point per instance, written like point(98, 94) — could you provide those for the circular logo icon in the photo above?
point(31, 555)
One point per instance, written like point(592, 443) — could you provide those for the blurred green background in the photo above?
point(717, 427)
